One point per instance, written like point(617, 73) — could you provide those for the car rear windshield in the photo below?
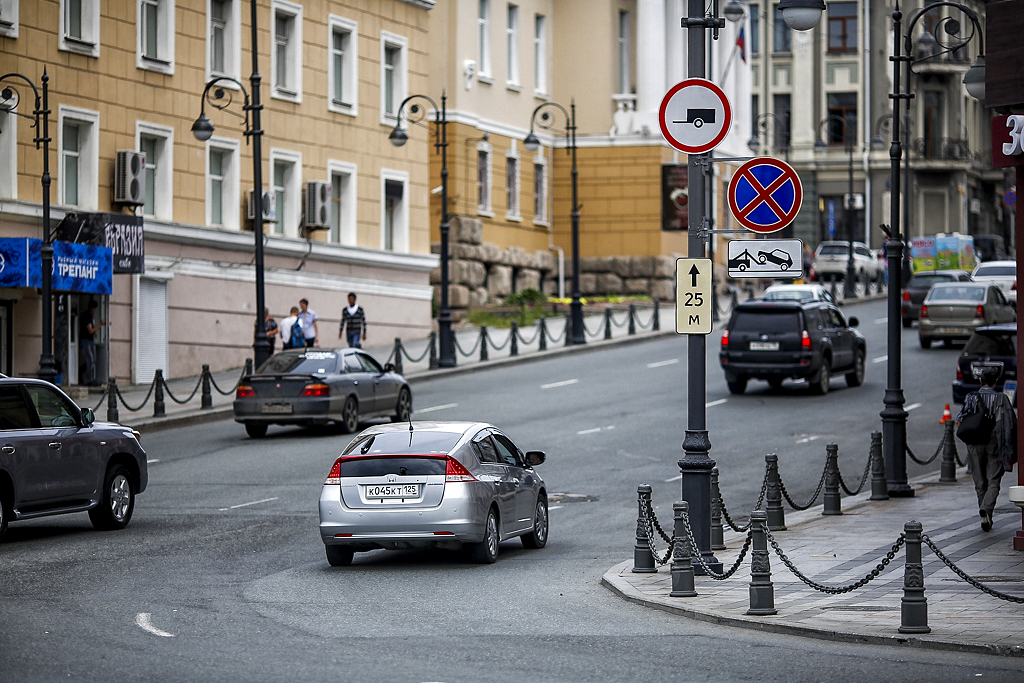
point(397, 443)
point(378, 467)
point(926, 281)
point(833, 250)
point(996, 271)
point(307, 363)
point(957, 293)
point(766, 321)
point(987, 344)
point(789, 295)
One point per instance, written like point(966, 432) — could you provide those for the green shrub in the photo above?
point(526, 297)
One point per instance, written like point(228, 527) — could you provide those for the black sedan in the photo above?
point(320, 386)
point(990, 345)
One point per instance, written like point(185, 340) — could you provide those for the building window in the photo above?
point(844, 106)
point(755, 29)
point(782, 106)
point(394, 211)
point(931, 109)
point(540, 54)
point(783, 35)
point(392, 76)
point(157, 143)
point(540, 190)
point(343, 203)
point(286, 184)
point(218, 163)
point(483, 26)
point(224, 29)
point(286, 51)
point(483, 178)
point(80, 27)
point(222, 194)
point(78, 172)
point(512, 40)
point(70, 157)
point(625, 53)
point(842, 27)
point(156, 36)
point(342, 65)
point(147, 146)
point(512, 186)
point(9, 18)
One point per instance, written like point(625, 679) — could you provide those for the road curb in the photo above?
point(154, 424)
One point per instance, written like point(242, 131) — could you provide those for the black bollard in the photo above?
point(682, 566)
point(399, 368)
point(947, 472)
point(207, 396)
point(483, 343)
point(656, 317)
point(643, 557)
point(833, 506)
point(158, 395)
point(914, 605)
point(247, 370)
point(773, 494)
point(762, 592)
point(568, 328)
point(513, 339)
point(112, 415)
point(542, 333)
point(717, 532)
point(607, 322)
point(433, 351)
point(632, 320)
point(879, 486)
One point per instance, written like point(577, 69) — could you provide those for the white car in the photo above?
point(829, 262)
point(811, 292)
point(1002, 274)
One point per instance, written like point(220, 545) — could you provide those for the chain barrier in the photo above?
point(969, 579)
point(142, 405)
point(836, 590)
point(760, 502)
point(555, 339)
point(863, 479)
point(792, 504)
point(229, 391)
point(596, 333)
point(103, 397)
point(472, 351)
point(190, 396)
point(700, 558)
point(532, 339)
point(650, 323)
point(623, 323)
point(956, 456)
point(499, 347)
point(650, 523)
point(418, 359)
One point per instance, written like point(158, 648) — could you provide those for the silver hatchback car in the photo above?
point(432, 484)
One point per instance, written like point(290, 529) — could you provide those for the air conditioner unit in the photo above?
point(318, 204)
point(129, 183)
point(269, 206)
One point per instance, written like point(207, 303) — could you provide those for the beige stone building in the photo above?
point(128, 75)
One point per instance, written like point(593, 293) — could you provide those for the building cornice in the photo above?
point(422, 4)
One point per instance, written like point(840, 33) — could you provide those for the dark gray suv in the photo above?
point(55, 458)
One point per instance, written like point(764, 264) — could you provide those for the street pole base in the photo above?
point(446, 362)
point(713, 563)
point(1018, 541)
point(901, 491)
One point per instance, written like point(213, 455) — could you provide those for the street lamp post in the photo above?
point(531, 143)
point(894, 417)
point(40, 117)
point(849, 283)
point(398, 137)
point(202, 129)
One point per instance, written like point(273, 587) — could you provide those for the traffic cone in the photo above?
point(946, 415)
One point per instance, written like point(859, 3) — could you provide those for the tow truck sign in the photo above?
point(766, 258)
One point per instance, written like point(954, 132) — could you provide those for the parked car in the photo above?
point(1003, 274)
point(424, 484)
point(990, 247)
point(812, 292)
point(56, 459)
point(320, 386)
point(988, 345)
point(953, 311)
point(776, 340)
point(918, 287)
point(830, 258)
point(779, 257)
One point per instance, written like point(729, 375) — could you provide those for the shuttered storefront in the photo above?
point(150, 339)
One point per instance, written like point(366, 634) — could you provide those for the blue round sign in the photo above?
point(765, 195)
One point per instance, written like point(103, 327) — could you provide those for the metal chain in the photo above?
point(231, 390)
point(836, 590)
point(624, 322)
point(645, 520)
point(654, 519)
point(144, 401)
point(595, 333)
point(963, 575)
point(552, 338)
point(498, 347)
point(930, 460)
point(785, 493)
point(956, 456)
point(103, 397)
point(863, 479)
point(174, 398)
point(695, 553)
point(650, 323)
point(472, 351)
point(421, 356)
point(524, 340)
point(760, 501)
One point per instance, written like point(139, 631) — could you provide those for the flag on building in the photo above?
point(741, 43)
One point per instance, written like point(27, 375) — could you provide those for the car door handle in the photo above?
point(355, 382)
point(7, 449)
point(54, 445)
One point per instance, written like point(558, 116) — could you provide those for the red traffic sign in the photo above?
point(765, 195)
point(695, 116)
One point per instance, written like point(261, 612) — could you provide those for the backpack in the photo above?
point(298, 337)
point(976, 428)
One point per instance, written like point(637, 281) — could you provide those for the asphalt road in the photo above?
point(222, 575)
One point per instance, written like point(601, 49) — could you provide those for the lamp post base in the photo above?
point(695, 468)
point(576, 315)
point(446, 345)
point(894, 444)
point(47, 368)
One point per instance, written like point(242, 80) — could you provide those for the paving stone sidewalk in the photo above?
point(842, 549)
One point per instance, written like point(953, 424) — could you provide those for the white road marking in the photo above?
point(143, 621)
point(563, 383)
point(912, 406)
point(433, 408)
point(808, 439)
point(152, 460)
point(555, 507)
point(610, 427)
point(716, 403)
point(662, 363)
point(254, 502)
point(589, 431)
point(675, 478)
point(881, 321)
point(880, 359)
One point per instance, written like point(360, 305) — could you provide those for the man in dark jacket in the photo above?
point(353, 323)
point(990, 460)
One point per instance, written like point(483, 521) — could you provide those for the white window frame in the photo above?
point(88, 155)
point(8, 155)
point(163, 199)
point(89, 43)
point(164, 61)
point(289, 216)
point(540, 55)
point(513, 187)
point(292, 93)
point(400, 238)
point(483, 23)
point(624, 66)
point(401, 79)
point(485, 208)
point(230, 195)
point(232, 43)
point(512, 46)
point(346, 102)
point(347, 228)
point(9, 18)
point(540, 199)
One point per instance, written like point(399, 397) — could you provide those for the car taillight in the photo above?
point(980, 312)
point(959, 374)
point(906, 295)
point(244, 391)
point(924, 311)
point(805, 339)
point(335, 476)
point(456, 472)
point(316, 390)
point(725, 338)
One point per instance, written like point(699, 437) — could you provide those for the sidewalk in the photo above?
point(842, 549)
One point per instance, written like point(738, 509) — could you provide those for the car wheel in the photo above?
point(737, 386)
point(926, 342)
point(117, 502)
point(255, 430)
point(339, 555)
point(404, 406)
point(350, 415)
point(5, 511)
point(538, 538)
point(486, 551)
point(908, 323)
point(855, 377)
point(820, 382)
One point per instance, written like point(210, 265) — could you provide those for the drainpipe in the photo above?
point(551, 230)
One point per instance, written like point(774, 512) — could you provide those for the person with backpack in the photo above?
point(988, 425)
point(291, 331)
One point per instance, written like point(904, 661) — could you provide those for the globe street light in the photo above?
point(802, 15)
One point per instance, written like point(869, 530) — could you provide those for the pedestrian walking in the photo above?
point(353, 323)
point(270, 325)
point(991, 411)
point(310, 329)
point(87, 328)
point(291, 331)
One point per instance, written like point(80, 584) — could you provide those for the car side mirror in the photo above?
point(88, 418)
point(389, 367)
point(853, 321)
point(535, 458)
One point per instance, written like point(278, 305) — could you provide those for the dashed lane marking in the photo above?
point(675, 478)
point(912, 406)
point(880, 359)
point(881, 321)
point(563, 383)
point(254, 502)
point(808, 439)
point(144, 621)
point(555, 507)
point(152, 460)
point(589, 431)
point(431, 409)
point(716, 403)
point(662, 363)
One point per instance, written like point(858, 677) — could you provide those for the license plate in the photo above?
point(951, 330)
point(276, 408)
point(392, 491)
point(764, 346)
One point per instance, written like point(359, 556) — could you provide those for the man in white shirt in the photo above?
point(286, 329)
point(308, 318)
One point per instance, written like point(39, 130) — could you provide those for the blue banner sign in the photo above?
point(76, 267)
point(14, 259)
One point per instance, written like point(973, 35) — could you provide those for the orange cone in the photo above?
point(946, 415)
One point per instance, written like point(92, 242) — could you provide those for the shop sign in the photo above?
point(83, 268)
point(121, 233)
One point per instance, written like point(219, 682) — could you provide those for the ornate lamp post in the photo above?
point(849, 284)
point(40, 117)
point(398, 137)
point(531, 143)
